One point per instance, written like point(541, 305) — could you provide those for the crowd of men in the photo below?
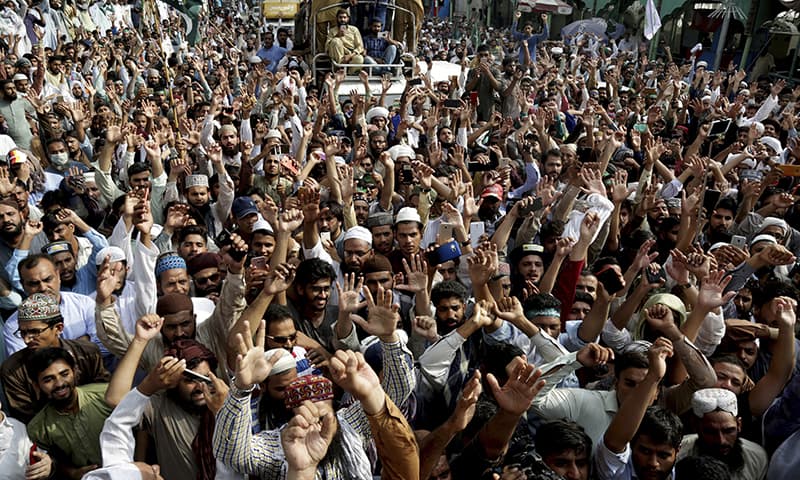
point(572, 260)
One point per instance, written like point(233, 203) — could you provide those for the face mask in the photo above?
point(59, 159)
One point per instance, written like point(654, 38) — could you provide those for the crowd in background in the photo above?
point(570, 260)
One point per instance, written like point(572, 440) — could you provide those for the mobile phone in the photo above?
point(710, 200)
point(383, 34)
point(450, 103)
point(610, 279)
point(790, 170)
point(476, 231)
point(473, 98)
point(414, 82)
point(196, 376)
point(445, 232)
point(640, 127)
point(259, 263)
point(445, 253)
point(282, 149)
point(656, 277)
point(224, 240)
point(738, 241)
point(719, 127)
point(406, 174)
point(325, 236)
point(31, 458)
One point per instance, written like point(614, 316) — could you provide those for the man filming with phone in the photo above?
point(344, 42)
point(381, 47)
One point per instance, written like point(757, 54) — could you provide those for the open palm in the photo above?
point(516, 395)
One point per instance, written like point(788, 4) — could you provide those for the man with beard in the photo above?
point(38, 275)
point(81, 280)
point(198, 194)
point(408, 235)
point(206, 275)
point(344, 44)
point(40, 326)
point(271, 182)
point(380, 225)
point(63, 225)
point(309, 301)
point(69, 425)
point(178, 417)
point(527, 267)
point(12, 234)
point(259, 455)
point(720, 223)
point(179, 312)
point(445, 365)
point(717, 423)
point(641, 442)
point(15, 110)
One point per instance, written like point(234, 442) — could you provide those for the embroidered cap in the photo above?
point(38, 306)
point(709, 400)
point(309, 387)
point(60, 246)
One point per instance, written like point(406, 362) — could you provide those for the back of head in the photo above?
point(772, 289)
point(557, 436)
point(661, 426)
point(630, 359)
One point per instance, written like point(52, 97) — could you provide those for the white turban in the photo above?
point(358, 233)
point(709, 400)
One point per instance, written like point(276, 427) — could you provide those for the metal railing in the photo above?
point(317, 57)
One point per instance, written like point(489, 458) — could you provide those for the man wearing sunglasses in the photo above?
point(40, 326)
point(206, 275)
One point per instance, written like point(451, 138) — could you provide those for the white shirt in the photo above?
point(15, 447)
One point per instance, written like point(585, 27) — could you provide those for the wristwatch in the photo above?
point(240, 393)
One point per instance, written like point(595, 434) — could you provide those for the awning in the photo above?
point(557, 7)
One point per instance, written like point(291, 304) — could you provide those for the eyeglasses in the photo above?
point(213, 278)
point(31, 332)
point(283, 340)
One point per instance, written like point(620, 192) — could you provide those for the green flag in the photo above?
point(190, 11)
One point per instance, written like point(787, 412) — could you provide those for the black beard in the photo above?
point(11, 235)
point(734, 460)
point(65, 403)
point(230, 151)
point(189, 406)
point(206, 292)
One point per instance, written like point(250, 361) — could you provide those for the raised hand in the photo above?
point(416, 275)
point(382, 318)
point(711, 293)
point(483, 264)
point(465, 408)
point(658, 354)
point(660, 318)
point(516, 395)
point(593, 355)
point(307, 436)
point(351, 372)
point(107, 280)
point(167, 374)
point(350, 293)
point(215, 393)
point(425, 327)
point(148, 326)
point(279, 279)
point(251, 365)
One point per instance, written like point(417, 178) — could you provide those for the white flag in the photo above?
point(652, 21)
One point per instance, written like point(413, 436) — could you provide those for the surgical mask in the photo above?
point(59, 159)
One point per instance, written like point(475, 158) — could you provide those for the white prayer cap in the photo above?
point(262, 225)
point(89, 177)
point(285, 363)
point(199, 180)
point(709, 400)
point(376, 112)
point(116, 254)
point(772, 143)
point(408, 214)
point(401, 151)
point(762, 238)
point(358, 233)
point(773, 222)
point(702, 63)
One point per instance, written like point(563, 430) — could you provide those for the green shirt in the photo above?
point(74, 437)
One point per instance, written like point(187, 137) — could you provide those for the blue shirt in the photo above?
point(274, 55)
point(533, 41)
point(78, 313)
point(375, 46)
